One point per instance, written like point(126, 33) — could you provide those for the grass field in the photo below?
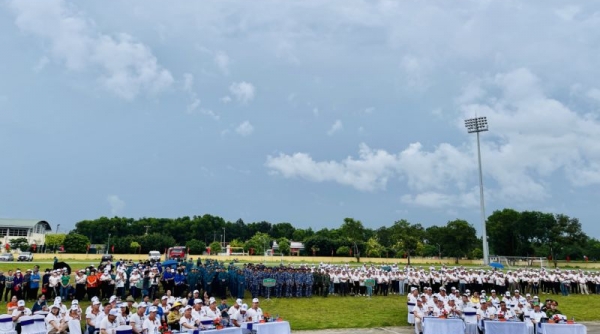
point(355, 312)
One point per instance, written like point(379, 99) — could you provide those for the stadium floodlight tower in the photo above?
point(477, 125)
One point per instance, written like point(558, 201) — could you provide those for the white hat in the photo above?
point(187, 307)
point(255, 300)
point(212, 300)
point(112, 299)
point(244, 307)
point(114, 312)
point(75, 302)
point(196, 291)
point(21, 303)
point(238, 301)
point(142, 304)
point(153, 309)
point(164, 297)
point(74, 308)
point(57, 300)
point(96, 302)
point(95, 299)
point(55, 306)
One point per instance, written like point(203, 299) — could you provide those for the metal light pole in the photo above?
point(57, 227)
point(477, 125)
point(108, 246)
point(223, 237)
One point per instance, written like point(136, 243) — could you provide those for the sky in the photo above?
point(298, 111)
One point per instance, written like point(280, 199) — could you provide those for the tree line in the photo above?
point(510, 233)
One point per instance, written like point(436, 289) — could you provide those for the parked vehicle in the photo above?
point(25, 256)
point(154, 256)
point(176, 253)
point(7, 257)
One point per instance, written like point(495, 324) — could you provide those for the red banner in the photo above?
point(112, 248)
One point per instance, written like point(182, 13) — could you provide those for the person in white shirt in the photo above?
point(536, 315)
point(235, 308)
point(109, 324)
point(93, 317)
point(20, 311)
point(54, 321)
point(187, 322)
point(210, 312)
point(74, 314)
point(504, 312)
point(419, 311)
point(197, 308)
point(152, 322)
point(255, 313)
point(136, 320)
point(240, 317)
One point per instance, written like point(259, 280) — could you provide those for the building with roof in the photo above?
point(32, 229)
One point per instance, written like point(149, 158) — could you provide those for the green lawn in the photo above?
point(357, 312)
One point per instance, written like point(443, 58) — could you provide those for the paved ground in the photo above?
point(592, 328)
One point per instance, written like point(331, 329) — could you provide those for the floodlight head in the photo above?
point(477, 124)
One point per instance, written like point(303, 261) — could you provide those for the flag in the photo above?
point(188, 249)
point(332, 252)
point(88, 247)
point(112, 248)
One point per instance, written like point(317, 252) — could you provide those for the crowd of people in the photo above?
point(132, 290)
point(480, 295)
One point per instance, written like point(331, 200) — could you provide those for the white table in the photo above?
point(505, 327)
point(563, 329)
point(278, 327)
point(227, 330)
point(443, 326)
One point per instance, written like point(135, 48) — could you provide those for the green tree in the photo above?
point(353, 231)
point(76, 243)
point(460, 239)
point(196, 246)
point(135, 247)
point(156, 241)
point(53, 241)
point(260, 242)
point(236, 243)
point(20, 244)
point(282, 230)
point(284, 246)
point(215, 247)
point(374, 248)
point(343, 251)
point(407, 236)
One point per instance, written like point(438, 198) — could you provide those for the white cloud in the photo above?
point(188, 82)
point(41, 64)
point(594, 94)
point(315, 112)
point(222, 61)
point(211, 113)
point(245, 129)
point(192, 106)
point(127, 67)
point(369, 110)
point(243, 91)
point(116, 204)
point(532, 137)
point(335, 127)
point(226, 99)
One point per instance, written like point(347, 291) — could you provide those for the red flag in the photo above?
point(112, 248)
point(88, 247)
point(62, 248)
point(7, 246)
point(188, 249)
point(34, 246)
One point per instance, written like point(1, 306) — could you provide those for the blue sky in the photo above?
point(299, 111)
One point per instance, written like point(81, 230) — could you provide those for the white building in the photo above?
point(32, 229)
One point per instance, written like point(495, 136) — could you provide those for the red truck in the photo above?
point(176, 252)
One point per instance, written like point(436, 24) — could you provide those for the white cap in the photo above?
point(244, 307)
point(197, 301)
point(187, 307)
point(196, 291)
point(164, 297)
point(94, 299)
point(21, 303)
point(255, 300)
point(55, 306)
point(238, 301)
point(153, 309)
point(96, 302)
point(57, 300)
point(112, 299)
point(212, 300)
point(74, 308)
point(114, 312)
point(75, 302)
